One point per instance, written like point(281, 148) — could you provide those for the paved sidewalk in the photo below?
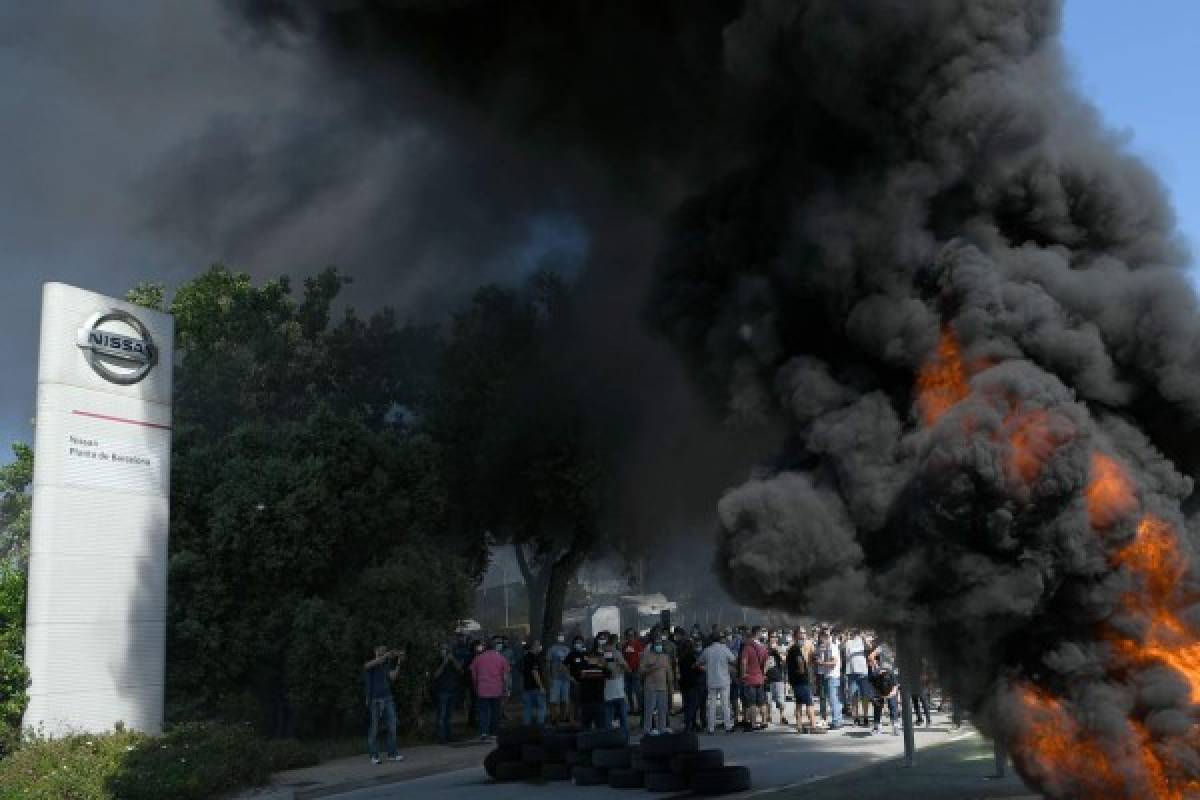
point(357, 772)
point(956, 770)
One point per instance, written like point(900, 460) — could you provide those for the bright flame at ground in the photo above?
point(1074, 762)
point(942, 381)
point(1109, 493)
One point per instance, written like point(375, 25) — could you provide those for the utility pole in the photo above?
point(908, 672)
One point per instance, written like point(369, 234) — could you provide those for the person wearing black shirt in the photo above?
point(533, 678)
point(883, 681)
point(447, 679)
point(573, 662)
point(799, 673)
point(587, 674)
point(691, 682)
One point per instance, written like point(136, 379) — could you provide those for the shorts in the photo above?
point(560, 691)
point(778, 693)
point(859, 685)
point(754, 695)
point(803, 692)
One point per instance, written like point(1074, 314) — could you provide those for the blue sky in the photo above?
point(1139, 63)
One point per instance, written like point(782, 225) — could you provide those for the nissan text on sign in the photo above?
point(96, 617)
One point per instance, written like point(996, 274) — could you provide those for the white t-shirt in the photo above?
point(717, 658)
point(856, 656)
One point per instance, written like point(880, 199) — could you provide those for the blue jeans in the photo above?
point(489, 715)
point(445, 706)
point(383, 707)
point(617, 709)
point(533, 701)
point(633, 690)
point(656, 700)
point(832, 684)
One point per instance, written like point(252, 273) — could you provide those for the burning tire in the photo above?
point(724, 780)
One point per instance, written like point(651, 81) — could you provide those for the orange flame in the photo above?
point(1030, 443)
point(1109, 494)
point(1056, 750)
point(942, 381)
point(1157, 564)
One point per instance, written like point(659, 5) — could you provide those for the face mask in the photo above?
point(479, 649)
point(658, 648)
point(602, 642)
point(499, 645)
point(579, 646)
point(562, 638)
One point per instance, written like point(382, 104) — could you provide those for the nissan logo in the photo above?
point(117, 357)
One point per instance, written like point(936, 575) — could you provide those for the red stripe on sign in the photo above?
point(122, 419)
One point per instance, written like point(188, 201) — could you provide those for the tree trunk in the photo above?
point(535, 590)
point(561, 572)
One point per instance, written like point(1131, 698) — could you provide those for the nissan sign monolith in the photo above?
point(96, 617)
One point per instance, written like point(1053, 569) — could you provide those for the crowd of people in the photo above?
point(817, 678)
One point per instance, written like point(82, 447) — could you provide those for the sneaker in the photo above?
point(375, 760)
point(711, 731)
point(875, 731)
point(483, 738)
point(396, 757)
point(784, 721)
point(654, 732)
point(729, 730)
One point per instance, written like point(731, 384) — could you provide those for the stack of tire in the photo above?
point(675, 763)
point(528, 753)
point(666, 763)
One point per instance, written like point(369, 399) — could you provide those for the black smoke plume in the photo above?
point(847, 198)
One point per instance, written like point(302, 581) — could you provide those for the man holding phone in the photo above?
point(378, 674)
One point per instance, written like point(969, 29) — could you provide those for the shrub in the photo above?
point(189, 762)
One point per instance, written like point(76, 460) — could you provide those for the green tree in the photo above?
point(16, 507)
point(15, 514)
point(522, 463)
point(305, 495)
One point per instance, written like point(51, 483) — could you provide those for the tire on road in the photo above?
point(516, 771)
point(589, 776)
point(579, 758)
point(639, 760)
point(611, 757)
point(556, 772)
point(665, 782)
point(594, 740)
point(668, 744)
point(626, 778)
point(536, 754)
point(519, 735)
point(687, 763)
point(559, 741)
point(501, 755)
point(725, 780)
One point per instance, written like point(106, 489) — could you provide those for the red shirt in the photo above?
point(633, 653)
point(754, 655)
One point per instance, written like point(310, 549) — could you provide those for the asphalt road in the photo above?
point(778, 758)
